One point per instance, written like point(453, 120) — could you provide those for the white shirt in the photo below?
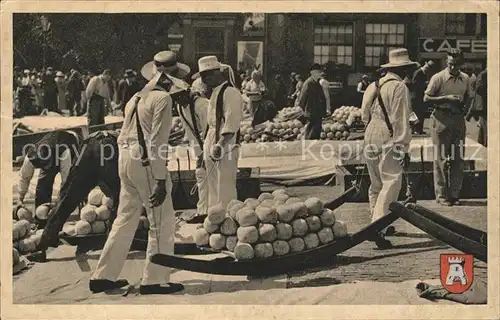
point(232, 110)
point(200, 110)
point(28, 170)
point(155, 116)
point(397, 101)
point(443, 83)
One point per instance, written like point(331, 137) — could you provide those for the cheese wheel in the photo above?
point(243, 251)
point(263, 250)
point(325, 235)
point(267, 233)
point(285, 213)
point(88, 213)
point(42, 212)
point(247, 217)
point(299, 227)
point(107, 202)
point(201, 237)
point(293, 200)
point(235, 208)
point(266, 214)
point(339, 229)
point(281, 247)
point(311, 240)
point(231, 242)
point(216, 214)
point(69, 229)
point(232, 203)
point(24, 214)
point(83, 227)
point(265, 196)
point(296, 244)
point(299, 209)
point(247, 234)
point(252, 203)
point(327, 217)
point(284, 231)
point(211, 228)
point(314, 206)
point(217, 241)
point(228, 227)
point(95, 197)
point(314, 223)
point(102, 213)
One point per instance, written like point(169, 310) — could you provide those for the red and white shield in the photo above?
point(457, 272)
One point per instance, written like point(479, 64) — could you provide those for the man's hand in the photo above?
point(159, 194)
point(216, 152)
point(453, 98)
point(405, 161)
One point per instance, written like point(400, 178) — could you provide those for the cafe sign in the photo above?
point(445, 44)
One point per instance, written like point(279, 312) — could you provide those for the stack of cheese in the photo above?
point(272, 225)
point(24, 239)
point(94, 216)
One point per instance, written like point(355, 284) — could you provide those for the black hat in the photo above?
point(129, 73)
point(315, 66)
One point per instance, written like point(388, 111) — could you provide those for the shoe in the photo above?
point(38, 256)
point(159, 289)
point(100, 285)
point(455, 202)
point(444, 202)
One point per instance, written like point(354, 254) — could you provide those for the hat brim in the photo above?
point(195, 76)
point(148, 70)
point(178, 85)
point(396, 65)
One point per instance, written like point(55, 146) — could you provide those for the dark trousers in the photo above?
point(483, 131)
point(448, 137)
point(313, 128)
point(96, 111)
point(97, 166)
point(75, 105)
point(50, 100)
point(419, 108)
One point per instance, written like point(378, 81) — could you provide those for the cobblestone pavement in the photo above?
point(414, 256)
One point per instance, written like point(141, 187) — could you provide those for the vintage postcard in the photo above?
point(229, 160)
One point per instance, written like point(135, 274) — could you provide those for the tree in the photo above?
point(90, 41)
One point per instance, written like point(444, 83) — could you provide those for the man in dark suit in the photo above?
point(312, 100)
point(127, 87)
point(418, 86)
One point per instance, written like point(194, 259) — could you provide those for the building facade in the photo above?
point(280, 43)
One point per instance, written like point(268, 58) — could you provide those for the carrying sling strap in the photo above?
point(219, 114)
point(382, 106)
point(140, 133)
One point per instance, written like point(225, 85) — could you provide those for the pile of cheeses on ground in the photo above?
point(94, 216)
point(272, 225)
point(25, 237)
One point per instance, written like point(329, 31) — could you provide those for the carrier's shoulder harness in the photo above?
point(219, 114)
point(140, 133)
point(194, 126)
point(382, 106)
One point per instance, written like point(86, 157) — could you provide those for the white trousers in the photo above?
point(136, 183)
point(386, 176)
point(221, 178)
point(202, 185)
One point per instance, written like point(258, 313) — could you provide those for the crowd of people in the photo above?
point(37, 92)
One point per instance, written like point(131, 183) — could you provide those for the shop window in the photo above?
point(209, 42)
point(334, 44)
point(460, 23)
point(380, 39)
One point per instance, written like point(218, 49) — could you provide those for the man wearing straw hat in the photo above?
point(145, 180)
point(387, 110)
point(224, 114)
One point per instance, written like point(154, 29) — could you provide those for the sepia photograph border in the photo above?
point(230, 311)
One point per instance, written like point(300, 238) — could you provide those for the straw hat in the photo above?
point(59, 74)
point(208, 63)
point(166, 62)
point(399, 58)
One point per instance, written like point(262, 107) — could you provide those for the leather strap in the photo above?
point(382, 106)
